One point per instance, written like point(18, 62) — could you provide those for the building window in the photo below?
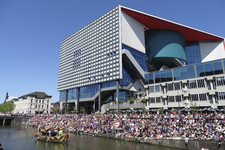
point(152, 100)
point(178, 98)
point(36, 101)
point(221, 95)
point(158, 100)
point(194, 97)
point(157, 88)
point(177, 86)
point(151, 89)
point(42, 101)
point(170, 87)
point(31, 100)
point(220, 81)
point(201, 83)
point(202, 97)
point(171, 99)
point(192, 84)
point(35, 106)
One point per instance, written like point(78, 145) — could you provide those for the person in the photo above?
point(1, 146)
point(219, 141)
point(186, 141)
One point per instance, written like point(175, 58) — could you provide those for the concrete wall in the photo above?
point(211, 50)
point(178, 143)
point(133, 33)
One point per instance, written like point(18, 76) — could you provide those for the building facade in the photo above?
point(33, 103)
point(127, 54)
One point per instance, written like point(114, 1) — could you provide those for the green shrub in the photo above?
point(143, 100)
point(131, 101)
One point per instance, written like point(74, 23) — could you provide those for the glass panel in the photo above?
point(191, 71)
point(200, 70)
point(183, 72)
point(151, 89)
point(62, 95)
point(217, 67)
point(192, 84)
point(157, 77)
point(157, 88)
point(72, 94)
point(158, 100)
point(176, 73)
point(163, 76)
point(169, 76)
point(208, 68)
point(109, 84)
point(88, 91)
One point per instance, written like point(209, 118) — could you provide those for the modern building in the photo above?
point(127, 54)
point(33, 103)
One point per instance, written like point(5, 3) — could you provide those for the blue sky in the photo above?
point(31, 32)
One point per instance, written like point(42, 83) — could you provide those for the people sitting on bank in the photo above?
point(153, 126)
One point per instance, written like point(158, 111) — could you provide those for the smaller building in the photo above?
point(33, 103)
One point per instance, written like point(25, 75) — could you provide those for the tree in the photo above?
point(143, 100)
point(55, 109)
point(67, 109)
point(7, 107)
point(161, 111)
point(131, 101)
point(82, 110)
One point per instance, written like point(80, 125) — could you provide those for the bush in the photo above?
point(161, 111)
point(143, 100)
point(131, 101)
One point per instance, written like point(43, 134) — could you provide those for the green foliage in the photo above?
point(175, 111)
point(143, 109)
point(131, 101)
point(194, 107)
point(119, 110)
point(7, 107)
point(54, 109)
point(143, 100)
point(121, 101)
point(67, 108)
point(82, 110)
point(161, 111)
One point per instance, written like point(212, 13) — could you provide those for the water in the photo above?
point(22, 138)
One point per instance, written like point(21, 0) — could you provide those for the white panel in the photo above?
point(133, 33)
point(211, 50)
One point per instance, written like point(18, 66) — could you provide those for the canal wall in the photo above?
point(176, 143)
point(19, 120)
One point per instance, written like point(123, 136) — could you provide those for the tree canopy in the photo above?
point(7, 107)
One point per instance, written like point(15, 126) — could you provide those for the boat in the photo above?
point(55, 139)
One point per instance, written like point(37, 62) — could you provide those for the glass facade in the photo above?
point(62, 95)
point(138, 56)
point(88, 91)
point(123, 96)
point(192, 53)
point(72, 94)
point(126, 78)
point(109, 84)
point(186, 72)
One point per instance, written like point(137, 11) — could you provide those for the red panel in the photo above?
point(156, 23)
point(224, 44)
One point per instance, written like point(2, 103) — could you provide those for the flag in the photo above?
point(75, 105)
point(60, 107)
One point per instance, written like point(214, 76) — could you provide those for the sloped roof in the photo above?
point(40, 95)
point(152, 22)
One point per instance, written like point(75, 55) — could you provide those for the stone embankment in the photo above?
point(176, 143)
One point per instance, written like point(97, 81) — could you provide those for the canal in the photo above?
point(22, 138)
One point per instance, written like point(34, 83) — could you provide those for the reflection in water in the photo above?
point(22, 138)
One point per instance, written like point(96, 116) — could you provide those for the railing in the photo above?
point(127, 105)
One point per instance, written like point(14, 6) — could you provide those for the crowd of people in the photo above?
point(207, 126)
